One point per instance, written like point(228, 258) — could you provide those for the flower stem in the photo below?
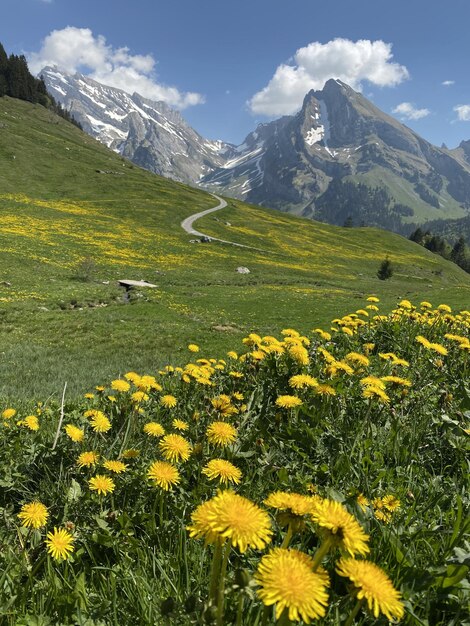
point(321, 552)
point(354, 612)
point(215, 569)
point(221, 590)
point(239, 609)
point(288, 537)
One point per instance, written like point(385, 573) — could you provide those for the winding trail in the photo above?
point(187, 225)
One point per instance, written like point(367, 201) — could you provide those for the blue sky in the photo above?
point(230, 65)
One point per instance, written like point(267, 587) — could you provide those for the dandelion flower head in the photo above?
point(60, 544)
point(373, 585)
point(33, 515)
point(286, 579)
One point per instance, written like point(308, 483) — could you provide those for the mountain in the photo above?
point(151, 134)
point(341, 157)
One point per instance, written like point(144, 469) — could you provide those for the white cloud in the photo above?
point(350, 61)
point(78, 49)
point(448, 83)
point(408, 111)
point(463, 112)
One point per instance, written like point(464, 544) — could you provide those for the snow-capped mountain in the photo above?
point(341, 157)
point(151, 134)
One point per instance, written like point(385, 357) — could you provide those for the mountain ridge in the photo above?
point(304, 163)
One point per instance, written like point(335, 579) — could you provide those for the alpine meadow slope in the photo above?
point(76, 218)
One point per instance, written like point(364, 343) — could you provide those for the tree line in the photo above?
point(459, 253)
point(17, 81)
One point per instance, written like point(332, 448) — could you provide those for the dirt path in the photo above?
point(187, 225)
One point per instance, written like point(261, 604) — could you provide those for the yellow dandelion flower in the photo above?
point(286, 579)
point(100, 423)
point(373, 381)
point(192, 347)
point(252, 340)
point(436, 347)
point(179, 424)
point(396, 380)
point(223, 470)
point(426, 305)
point(175, 448)
point(302, 380)
point(232, 355)
point(294, 503)
point(340, 527)
point(118, 467)
point(372, 299)
point(391, 503)
point(164, 475)
point(60, 544)
point(33, 515)
point(356, 357)
point(423, 341)
point(373, 585)
point(89, 396)
point(76, 434)
point(375, 393)
point(362, 501)
point(288, 402)
point(31, 422)
point(299, 354)
point(221, 433)
point(235, 374)
point(102, 484)
point(168, 401)
point(100, 388)
point(202, 525)
point(323, 334)
point(347, 331)
point(405, 304)
point(8, 413)
point(445, 308)
point(120, 385)
point(132, 376)
point(87, 459)
point(325, 390)
point(237, 519)
point(154, 429)
point(139, 396)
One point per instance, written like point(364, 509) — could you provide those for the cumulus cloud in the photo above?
point(350, 61)
point(78, 49)
point(408, 111)
point(448, 83)
point(463, 112)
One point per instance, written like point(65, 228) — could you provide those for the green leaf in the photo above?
point(74, 492)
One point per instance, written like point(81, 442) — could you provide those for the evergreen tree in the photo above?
point(385, 270)
point(3, 71)
point(417, 236)
point(458, 253)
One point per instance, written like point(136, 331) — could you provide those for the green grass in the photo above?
point(392, 448)
point(56, 210)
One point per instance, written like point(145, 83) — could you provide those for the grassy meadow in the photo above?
point(288, 446)
point(75, 218)
point(301, 479)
